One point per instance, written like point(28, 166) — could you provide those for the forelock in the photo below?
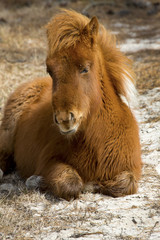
point(64, 30)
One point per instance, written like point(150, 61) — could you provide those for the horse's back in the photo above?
point(21, 107)
point(21, 100)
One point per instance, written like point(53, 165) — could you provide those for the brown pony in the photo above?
point(73, 128)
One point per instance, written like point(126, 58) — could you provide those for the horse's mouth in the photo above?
point(70, 131)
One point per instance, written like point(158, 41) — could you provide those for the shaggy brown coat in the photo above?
point(73, 128)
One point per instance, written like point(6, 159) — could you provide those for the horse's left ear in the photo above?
point(91, 29)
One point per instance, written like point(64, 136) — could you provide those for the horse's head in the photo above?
point(74, 71)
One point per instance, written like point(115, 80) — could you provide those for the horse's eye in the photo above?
point(84, 70)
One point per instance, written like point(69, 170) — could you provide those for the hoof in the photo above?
point(7, 188)
point(91, 187)
point(33, 182)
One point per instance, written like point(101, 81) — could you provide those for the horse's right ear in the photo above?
point(90, 31)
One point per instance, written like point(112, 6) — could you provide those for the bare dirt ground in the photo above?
point(29, 214)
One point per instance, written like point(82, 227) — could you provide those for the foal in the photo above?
point(73, 128)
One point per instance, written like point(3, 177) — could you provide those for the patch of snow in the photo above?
point(155, 235)
point(51, 236)
point(38, 207)
point(120, 25)
point(151, 158)
point(150, 130)
point(115, 32)
point(141, 27)
point(135, 45)
point(158, 169)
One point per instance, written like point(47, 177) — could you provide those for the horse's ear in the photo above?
point(91, 29)
point(93, 26)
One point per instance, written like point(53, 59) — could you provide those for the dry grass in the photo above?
point(147, 69)
point(28, 214)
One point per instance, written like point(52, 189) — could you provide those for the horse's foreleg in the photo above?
point(122, 184)
point(63, 180)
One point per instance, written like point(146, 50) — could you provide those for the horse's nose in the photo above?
point(64, 117)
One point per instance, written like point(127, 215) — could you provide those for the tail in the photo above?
point(7, 163)
point(1, 174)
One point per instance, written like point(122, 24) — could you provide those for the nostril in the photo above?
point(71, 116)
point(55, 118)
point(64, 118)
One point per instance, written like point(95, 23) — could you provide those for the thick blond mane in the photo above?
point(119, 67)
point(65, 30)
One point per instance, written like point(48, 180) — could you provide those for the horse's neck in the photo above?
point(104, 120)
point(110, 105)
